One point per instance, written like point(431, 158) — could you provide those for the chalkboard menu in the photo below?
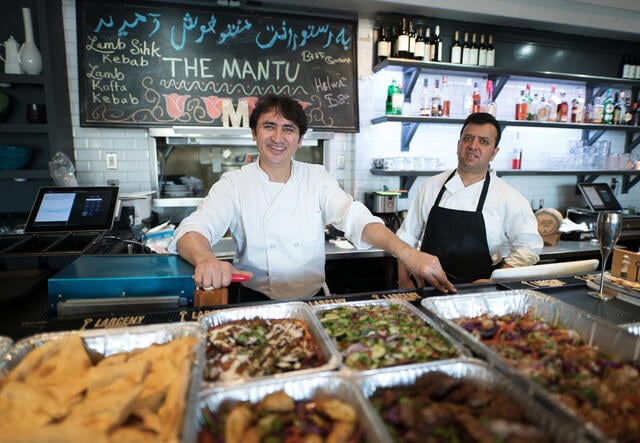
point(155, 64)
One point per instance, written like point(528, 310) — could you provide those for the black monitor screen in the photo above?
point(73, 209)
point(599, 197)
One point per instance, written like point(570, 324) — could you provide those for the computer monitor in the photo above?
point(73, 209)
point(599, 197)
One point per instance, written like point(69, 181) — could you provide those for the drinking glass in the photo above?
point(608, 232)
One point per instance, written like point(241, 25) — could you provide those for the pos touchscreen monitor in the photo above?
point(73, 209)
point(599, 197)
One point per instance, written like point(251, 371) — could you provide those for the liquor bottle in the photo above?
point(635, 112)
point(563, 108)
point(482, 54)
point(529, 102)
point(467, 98)
point(609, 105)
point(425, 99)
point(627, 117)
point(554, 101)
point(390, 91)
point(619, 108)
point(521, 106)
point(456, 49)
point(475, 49)
point(477, 99)
point(437, 41)
point(490, 106)
point(542, 110)
point(577, 108)
point(383, 46)
point(436, 106)
point(466, 49)
point(444, 97)
point(598, 110)
point(516, 159)
point(402, 42)
point(429, 50)
point(412, 40)
point(397, 100)
point(418, 53)
point(491, 52)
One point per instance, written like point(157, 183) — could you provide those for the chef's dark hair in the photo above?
point(288, 107)
point(483, 118)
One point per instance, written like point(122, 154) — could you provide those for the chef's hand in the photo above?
point(406, 280)
point(428, 267)
point(212, 273)
point(209, 272)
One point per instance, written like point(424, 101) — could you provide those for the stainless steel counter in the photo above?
point(563, 251)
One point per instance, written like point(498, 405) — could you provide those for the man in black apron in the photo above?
point(459, 237)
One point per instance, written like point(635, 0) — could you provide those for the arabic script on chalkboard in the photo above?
point(143, 66)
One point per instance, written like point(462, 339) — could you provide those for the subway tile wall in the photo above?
point(348, 157)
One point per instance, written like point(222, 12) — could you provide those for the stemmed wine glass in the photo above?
point(608, 231)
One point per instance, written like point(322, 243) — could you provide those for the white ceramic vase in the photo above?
point(30, 57)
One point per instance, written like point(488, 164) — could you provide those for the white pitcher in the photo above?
point(11, 59)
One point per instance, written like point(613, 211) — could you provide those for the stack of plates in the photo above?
point(173, 190)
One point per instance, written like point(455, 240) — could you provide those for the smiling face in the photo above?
point(477, 147)
point(277, 139)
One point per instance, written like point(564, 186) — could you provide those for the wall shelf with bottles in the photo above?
point(629, 177)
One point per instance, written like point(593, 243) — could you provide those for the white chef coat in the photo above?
point(512, 228)
point(278, 227)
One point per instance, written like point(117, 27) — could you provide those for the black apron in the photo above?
point(459, 239)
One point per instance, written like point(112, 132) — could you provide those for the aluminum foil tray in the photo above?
point(615, 341)
point(105, 342)
point(5, 344)
point(554, 422)
point(301, 387)
point(405, 306)
point(293, 310)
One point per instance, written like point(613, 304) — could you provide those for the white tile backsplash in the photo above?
point(383, 140)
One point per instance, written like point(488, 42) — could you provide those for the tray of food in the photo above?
point(461, 400)
point(372, 334)
point(5, 344)
point(305, 408)
point(127, 384)
point(265, 341)
point(561, 354)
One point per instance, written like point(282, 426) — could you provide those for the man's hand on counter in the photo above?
point(419, 264)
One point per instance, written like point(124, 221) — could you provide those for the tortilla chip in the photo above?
point(102, 376)
point(22, 406)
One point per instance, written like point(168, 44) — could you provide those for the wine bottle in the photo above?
point(482, 54)
point(626, 66)
point(402, 42)
point(475, 49)
point(491, 52)
point(437, 41)
point(393, 37)
point(456, 49)
point(429, 50)
point(383, 45)
point(466, 49)
point(412, 40)
point(419, 49)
